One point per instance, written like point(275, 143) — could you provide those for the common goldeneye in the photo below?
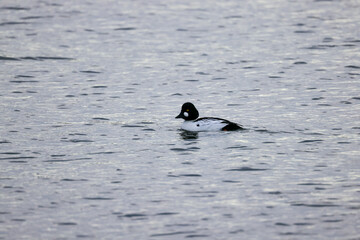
point(192, 123)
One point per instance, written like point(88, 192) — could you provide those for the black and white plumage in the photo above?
point(194, 124)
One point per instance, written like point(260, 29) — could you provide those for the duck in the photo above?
point(205, 124)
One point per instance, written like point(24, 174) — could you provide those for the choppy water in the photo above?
point(90, 149)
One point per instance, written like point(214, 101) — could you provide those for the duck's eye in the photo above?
point(187, 110)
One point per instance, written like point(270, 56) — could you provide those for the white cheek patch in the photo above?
point(186, 114)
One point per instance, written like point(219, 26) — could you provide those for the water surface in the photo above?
point(90, 149)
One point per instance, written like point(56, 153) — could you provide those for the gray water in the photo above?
point(90, 149)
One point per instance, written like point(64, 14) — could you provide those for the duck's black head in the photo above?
point(188, 112)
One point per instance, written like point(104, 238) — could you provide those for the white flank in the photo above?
point(204, 125)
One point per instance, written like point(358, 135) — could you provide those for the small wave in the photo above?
point(315, 205)
point(90, 71)
point(98, 198)
point(12, 23)
point(125, 29)
point(101, 118)
point(15, 8)
point(353, 67)
point(41, 58)
point(311, 141)
point(131, 215)
point(171, 233)
point(3, 58)
point(132, 126)
point(246, 169)
point(15, 158)
point(67, 223)
point(190, 175)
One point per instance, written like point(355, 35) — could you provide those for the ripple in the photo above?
point(172, 233)
point(304, 31)
point(132, 126)
point(231, 181)
point(101, 118)
point(67, 223)
point(246, 169)
point(202, 73)
point(41, 58)
point(17, 161)
point(311, 141)
point(15, 8)
point(18, 220)
point(3, 58)
point(95, 153)
point(79, 141)
point(24, 76)
point(166, 213)
point(295, 234)
point(236, 231)
point(317, 98)
point(23, 81)
point(353, 67)
point(58, 155)
point(197, 236)
point(333, 220)
point(149, 130)
point(303, 224)
point(35, 17)
point(10, 153)
point(73, 180)
point(98, 198)
point(66, 160)
point(313, 184)
point(184, 149)
point(316, 47)
point(241, 147)
point(190, 175)
point(12, 23)
point(16, 158)
point(233, 16)
point(315, 205)
point(125, 29)
point(131, 215)
point(268, 131)
point(282, 224)
point(274, 192)
point(90, 71)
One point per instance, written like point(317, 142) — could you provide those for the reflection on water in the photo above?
point(89, 147)
point(186, 135)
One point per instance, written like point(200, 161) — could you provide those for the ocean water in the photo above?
point(90, 148)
